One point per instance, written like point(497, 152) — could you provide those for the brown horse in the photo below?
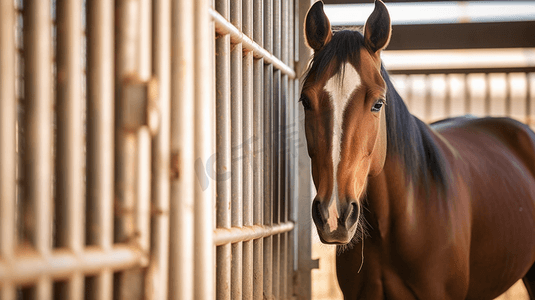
point(445, 211)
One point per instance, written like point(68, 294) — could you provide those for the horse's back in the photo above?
point(495, 158)
point(509, 134)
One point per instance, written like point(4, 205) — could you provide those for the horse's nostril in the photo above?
point(354, 214)
point(316, 213)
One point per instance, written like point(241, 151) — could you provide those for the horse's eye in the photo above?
point(306, 102)
point(378, 105)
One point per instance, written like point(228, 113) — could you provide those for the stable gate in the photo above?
point(152, 149)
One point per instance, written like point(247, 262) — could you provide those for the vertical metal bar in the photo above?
point(125, 149)
point(38, 132)
point(447, 96)
point(285, 41)
point(143, 138)
point(70, 135)
point(248, 129)
point(292, 148)
point(161, 159)
point(223, 135)
point(143, 191)
point(487, 94)
point(277, 137)
point(304, 262)
point(259, 188)
point(467, 95)
point(236, 84)
point(528, 100)
point(204, 121)
point(100, 136)
point(181, 267)
point(428, 103)
point(508, 94)
point(410, 90)
point(8, 119)
point(268, 152)
point(130, 65)
point(144, 40)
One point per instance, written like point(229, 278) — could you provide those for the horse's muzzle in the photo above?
point(337, 230)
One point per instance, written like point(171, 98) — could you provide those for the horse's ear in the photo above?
point(378, 29)
point(317, 27)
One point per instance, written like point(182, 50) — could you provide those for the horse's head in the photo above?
point(343, 97)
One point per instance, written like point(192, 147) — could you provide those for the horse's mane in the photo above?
point(407, 136)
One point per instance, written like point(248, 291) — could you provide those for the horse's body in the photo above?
point(472, 241)
point(449, 208)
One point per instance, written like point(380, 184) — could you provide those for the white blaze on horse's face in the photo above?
point(340, 88)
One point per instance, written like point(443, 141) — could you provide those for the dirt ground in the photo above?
point(325, 287)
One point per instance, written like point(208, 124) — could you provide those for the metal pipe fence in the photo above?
point(434, 94)
point(153, 150)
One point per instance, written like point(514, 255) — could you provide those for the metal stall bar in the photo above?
point(304, 263)
point(38, 132)
point(148, 126)
point(487, 94)
point(259, 132)
point(236, 125)
point(224, 158)
point(70, 206)
point(507, 94)
point(222, 27)
point(126, 39)
point(285, 41)
point(100, 138)
point(30, 266)
point(132, 72)
point(268, 150)
point(248, 142)
point(447, 96)
point(204, 147)
point(428, 105)
point(223, 236)
point(159, 263)
point(8, 155)
point(467, 95)
point(182, 149)
point(292, 147)
point(529, 118)
point(277, 137)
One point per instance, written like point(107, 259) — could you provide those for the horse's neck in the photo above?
point(413, 168)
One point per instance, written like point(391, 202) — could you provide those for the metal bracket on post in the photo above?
point(141, 121)
point(140, 104)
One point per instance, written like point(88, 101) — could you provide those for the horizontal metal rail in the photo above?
point(224, 236)
point(222, 26)
point(29, 266)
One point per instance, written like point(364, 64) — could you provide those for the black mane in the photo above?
point(407, 136)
